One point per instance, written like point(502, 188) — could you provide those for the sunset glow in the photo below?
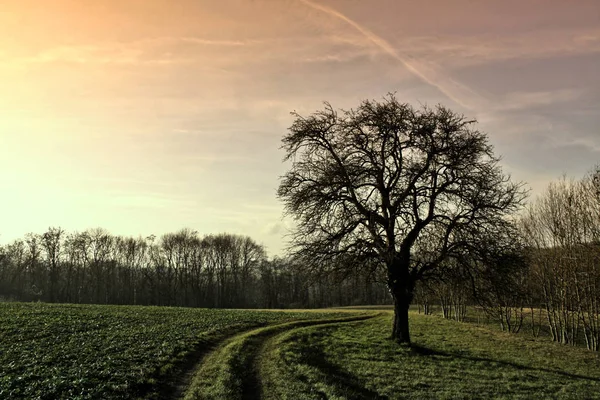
point(147, 116)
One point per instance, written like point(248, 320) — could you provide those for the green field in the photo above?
point(109, 352)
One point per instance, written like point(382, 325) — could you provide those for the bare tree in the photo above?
point(501, 287)
point(562, 228)
point(51, 243)
point(410, 188)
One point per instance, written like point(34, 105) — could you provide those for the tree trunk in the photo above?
point(400, 331)
point(402, 292)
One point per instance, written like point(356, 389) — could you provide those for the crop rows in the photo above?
point(84, 352)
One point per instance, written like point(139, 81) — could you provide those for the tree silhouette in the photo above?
point(406, 188)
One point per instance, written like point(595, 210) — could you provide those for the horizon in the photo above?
point(147, 117)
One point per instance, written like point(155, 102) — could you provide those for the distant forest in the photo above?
point(177, 269)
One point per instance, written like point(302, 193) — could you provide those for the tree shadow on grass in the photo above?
point(346, 384)
point(425, 351)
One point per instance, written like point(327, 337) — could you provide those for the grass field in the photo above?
point(109, 352)
point(449, 360)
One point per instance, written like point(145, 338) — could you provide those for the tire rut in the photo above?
point(178, 388)
point(233, 369)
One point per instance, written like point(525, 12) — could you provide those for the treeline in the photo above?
point(552, 284)
point(177, 269)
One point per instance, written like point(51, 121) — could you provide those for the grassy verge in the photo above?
point(449, 360)
point(112, 352)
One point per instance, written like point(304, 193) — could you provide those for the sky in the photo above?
point(147, 116)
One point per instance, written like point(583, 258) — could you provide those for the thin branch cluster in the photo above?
point(387, 180)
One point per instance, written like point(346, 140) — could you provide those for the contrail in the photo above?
point(456, 91)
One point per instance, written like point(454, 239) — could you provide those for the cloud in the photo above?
point(464, 50)
point(585, 142)
point(428, 72)
point(148, 201)
point(275, 229)
point(159, 50)
point(526, 100)
point(201, 41)
point(423, 55)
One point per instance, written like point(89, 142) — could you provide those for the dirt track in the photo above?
point(233, 368)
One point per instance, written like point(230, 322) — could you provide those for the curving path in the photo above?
point(234, 370)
